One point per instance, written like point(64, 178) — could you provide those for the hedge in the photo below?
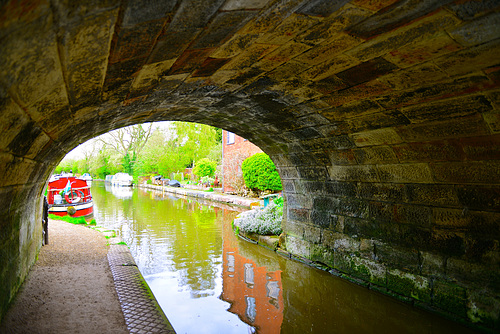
point(259, 172)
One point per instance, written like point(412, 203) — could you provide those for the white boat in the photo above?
point(87, 178)
point(122, 180)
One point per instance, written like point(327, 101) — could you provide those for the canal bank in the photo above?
point(208, 195)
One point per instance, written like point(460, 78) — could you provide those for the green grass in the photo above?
point(72, 220)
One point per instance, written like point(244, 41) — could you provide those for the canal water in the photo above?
point(207, 280)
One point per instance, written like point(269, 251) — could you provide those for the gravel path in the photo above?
point(70, 289)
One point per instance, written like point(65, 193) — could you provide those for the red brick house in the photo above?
point(235, 150)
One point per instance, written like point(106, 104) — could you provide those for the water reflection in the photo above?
point(207, 280)
point(253, 292)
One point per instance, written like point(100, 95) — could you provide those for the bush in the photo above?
point(205, 167)
point(260, 173)
point(265, 222)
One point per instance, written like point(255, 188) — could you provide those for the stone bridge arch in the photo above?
point(381, 116)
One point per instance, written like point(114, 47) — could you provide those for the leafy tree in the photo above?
point(205, 167)
point(259, 172)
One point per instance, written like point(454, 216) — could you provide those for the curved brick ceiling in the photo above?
point(388, 110)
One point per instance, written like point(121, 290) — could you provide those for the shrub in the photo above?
point(205, 167)
point(260, 173)
point(207, 180)
point(265, 222)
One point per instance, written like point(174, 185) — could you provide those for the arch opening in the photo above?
point(382, 119)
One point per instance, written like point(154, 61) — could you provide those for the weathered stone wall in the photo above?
point(383, 118)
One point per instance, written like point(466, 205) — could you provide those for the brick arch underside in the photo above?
point(383, 120)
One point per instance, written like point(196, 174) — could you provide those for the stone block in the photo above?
point(327, 50)
point(433, 264)
point(409, 285)
point(189, 60)
point(471, 9)
point(298, 246)
point(210, 66)
point(452, 219)
point(299, 201)
point(405, 173)
point(479, 197)
point(299, 215)
point(447, 242)
point(432, 194)
point(470, 60)
point(397, 257)
point(360, 92)
point(376, 137)
point(429, 151)
point(450, 297)
point(353, 173)
point(493, 121)
point(328, 68)
point(385, 192)
point(131, 42)
point(483, 309)
point(313, 234)
point(349, 110)
point(369, 228)
point(287, 29)
point(340, 189)
point(342, 157)
point(281, 55)
point(446, 109)
point(374, 155)
point(423, 50)
point(461, 127)
point(467, 172)
point(221, 28)
point(244, 4)
point(12, 120)
point(470, 273)
point(378, 120)
point(482, 148)
point(313, 173)
point(412, 78)
point(366, 71)
point(416, 235)
point(478, 31)
point(320, 218)
point(30, 61)
point(399, 16)
point(424, 91)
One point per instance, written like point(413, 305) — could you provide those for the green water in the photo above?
point(207, 280)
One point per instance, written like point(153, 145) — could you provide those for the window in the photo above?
point(230, 138)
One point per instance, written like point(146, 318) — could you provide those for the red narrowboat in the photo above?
point(69, 195)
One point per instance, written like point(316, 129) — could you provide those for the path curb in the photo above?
point(140, 308)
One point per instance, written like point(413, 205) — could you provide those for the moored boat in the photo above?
point(87, 177)
point(69, 195)
point(122, 179)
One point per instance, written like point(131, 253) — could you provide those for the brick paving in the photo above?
point(140, 308)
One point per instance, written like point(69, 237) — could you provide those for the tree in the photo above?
point(205, 167)
point(128, 141)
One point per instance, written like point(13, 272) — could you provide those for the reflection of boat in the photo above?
point(87, 178)
point(122, 179)
point(69, 195)
point(121, 192)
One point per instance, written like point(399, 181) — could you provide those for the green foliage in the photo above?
point(205, 167)
point(178, 176)
point(265, 222)
point(69, 219)
point(207, 180)
point(260, 173)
